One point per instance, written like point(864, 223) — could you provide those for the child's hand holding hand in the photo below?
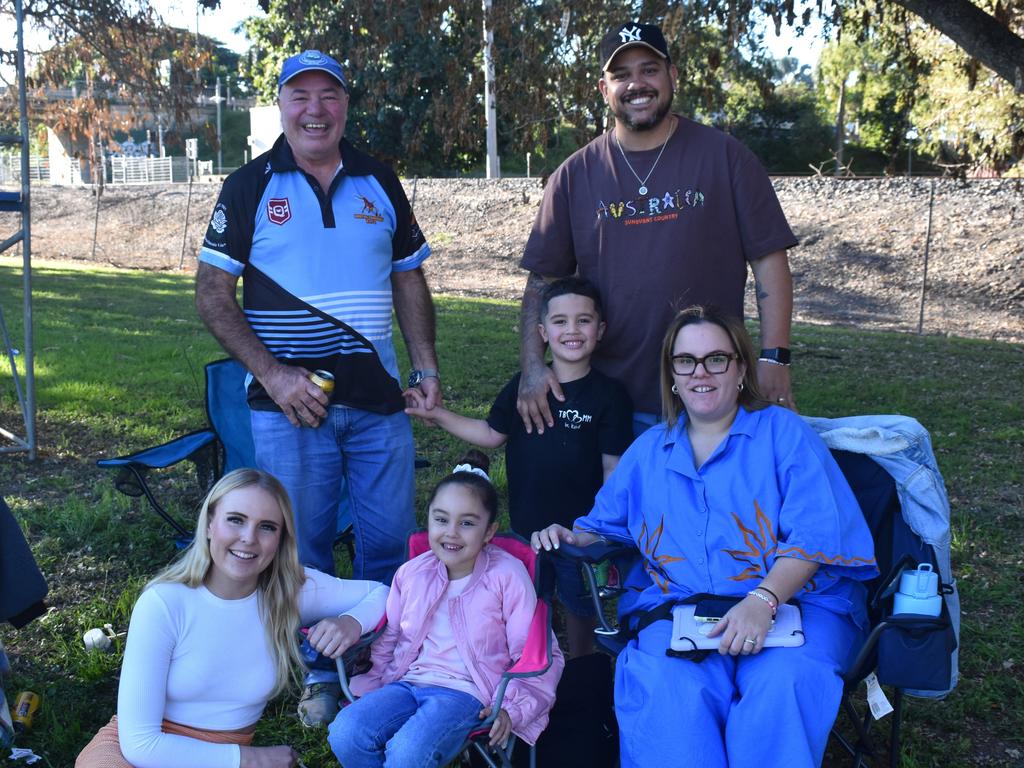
point(416, 406)
point(501, 729)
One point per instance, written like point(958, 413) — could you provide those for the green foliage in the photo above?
point(785, 129)
point(906, 75)
point(966, 115)
point(234, 128)
point(415, 91)
point(429, 118)
point(882, 75)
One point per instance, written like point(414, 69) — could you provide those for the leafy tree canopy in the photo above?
point(417, 75)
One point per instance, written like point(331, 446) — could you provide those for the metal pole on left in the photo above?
point(26, 243)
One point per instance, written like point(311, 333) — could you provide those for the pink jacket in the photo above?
point(490, 621)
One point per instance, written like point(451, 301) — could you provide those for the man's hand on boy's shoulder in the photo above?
point(532, 402)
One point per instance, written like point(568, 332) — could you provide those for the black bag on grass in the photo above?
point(582, 732)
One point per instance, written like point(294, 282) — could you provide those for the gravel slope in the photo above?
point(860, 261)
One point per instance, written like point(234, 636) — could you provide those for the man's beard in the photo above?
point(622, 116)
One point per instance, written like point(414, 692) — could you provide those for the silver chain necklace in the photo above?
point(643, 182)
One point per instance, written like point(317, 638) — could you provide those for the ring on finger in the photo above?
point(750, 640)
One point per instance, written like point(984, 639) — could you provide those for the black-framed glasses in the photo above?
point(716, 362)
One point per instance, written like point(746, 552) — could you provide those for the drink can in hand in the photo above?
point(324, 380)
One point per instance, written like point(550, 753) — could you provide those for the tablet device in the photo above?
point(688, 634)
point(713, 609)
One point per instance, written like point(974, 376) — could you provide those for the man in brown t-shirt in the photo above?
point(660, 213)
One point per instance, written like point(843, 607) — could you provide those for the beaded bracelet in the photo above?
point(774, 596)
point(771, 603)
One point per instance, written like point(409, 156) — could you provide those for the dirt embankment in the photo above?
point(860, 262)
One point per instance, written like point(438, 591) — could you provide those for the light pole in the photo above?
point(218, 99)
point(493, 161)
point(911, 138)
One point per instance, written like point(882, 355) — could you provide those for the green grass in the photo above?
point(119, 359)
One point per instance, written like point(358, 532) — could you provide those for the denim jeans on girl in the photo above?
point(403, 726)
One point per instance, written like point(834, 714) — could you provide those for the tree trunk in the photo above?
point(977, 32)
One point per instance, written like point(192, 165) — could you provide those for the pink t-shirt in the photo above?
point(439, 661)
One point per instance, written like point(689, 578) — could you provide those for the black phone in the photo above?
point(712, 609)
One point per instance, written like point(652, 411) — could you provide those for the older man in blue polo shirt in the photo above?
point(327, 244)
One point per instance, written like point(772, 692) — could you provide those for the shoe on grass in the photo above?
point(318, 704)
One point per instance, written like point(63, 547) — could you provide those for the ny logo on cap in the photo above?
point(630, 35)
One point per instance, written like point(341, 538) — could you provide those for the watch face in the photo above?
point(415, 378)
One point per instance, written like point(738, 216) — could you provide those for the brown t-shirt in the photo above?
point(709, 209)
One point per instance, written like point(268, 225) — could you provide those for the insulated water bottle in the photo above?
point(919, 592)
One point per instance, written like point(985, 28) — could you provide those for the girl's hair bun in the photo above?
point(476, 458)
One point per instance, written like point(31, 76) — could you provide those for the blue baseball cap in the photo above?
point(310, 60)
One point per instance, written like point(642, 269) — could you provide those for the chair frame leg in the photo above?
point(182, 532)
point(895, 747)
point(863, 746)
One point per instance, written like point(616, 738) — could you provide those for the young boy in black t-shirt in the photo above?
point(553, 476)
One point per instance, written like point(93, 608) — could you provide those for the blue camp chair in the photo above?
point(226, 444)
point(913, 654)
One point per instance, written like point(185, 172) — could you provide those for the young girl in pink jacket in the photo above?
point(457, 618)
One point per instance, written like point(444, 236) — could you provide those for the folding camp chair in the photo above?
point(226, 444)
point(536, 658)
point(911, 653)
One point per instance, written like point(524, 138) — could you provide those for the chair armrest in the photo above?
point(594, 553)
point(165, 455)
point(349, 658)
point(536, 656)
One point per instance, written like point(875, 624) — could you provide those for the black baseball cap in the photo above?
point(631, 34)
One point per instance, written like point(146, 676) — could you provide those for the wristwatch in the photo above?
point(416, 376)
point(775, 356)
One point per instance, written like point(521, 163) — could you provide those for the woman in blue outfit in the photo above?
point(731, 496)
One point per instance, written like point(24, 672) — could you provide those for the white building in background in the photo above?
point(264, 128)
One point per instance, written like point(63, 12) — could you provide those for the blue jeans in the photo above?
point(371, 454)
point(403, 726)
point(643, 421)
point(572, 590)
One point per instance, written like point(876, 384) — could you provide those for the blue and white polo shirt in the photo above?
point(316, 267)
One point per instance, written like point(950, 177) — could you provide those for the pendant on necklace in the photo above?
point(642, 190)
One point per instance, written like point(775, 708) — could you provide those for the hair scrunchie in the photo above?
point(472, 470)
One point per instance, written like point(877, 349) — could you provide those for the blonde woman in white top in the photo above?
point(212, 637)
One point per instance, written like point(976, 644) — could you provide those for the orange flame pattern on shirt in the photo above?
point(649, 542)
point(763, 543)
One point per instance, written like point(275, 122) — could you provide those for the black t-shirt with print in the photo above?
point(553, 477)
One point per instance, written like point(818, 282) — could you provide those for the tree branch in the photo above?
point(978, 33)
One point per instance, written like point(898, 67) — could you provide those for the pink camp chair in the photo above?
point(535, 660)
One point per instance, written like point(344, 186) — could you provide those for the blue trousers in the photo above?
point(403, 726)
point(774, 708)
point(371, 454)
